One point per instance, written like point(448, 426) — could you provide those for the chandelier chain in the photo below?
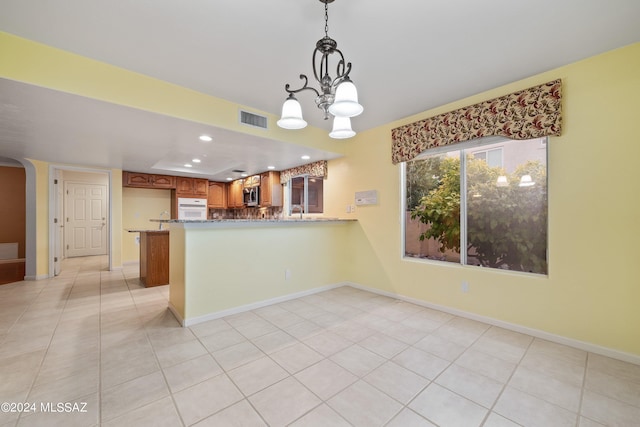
point(326, 19)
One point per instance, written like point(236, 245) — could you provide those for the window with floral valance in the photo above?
point(522, 115)
point(316, 169)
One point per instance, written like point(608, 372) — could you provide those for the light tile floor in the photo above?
point(338, 358)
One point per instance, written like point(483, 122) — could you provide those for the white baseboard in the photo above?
point(175, 313)
point(37, 277)
point(559, 339)
point(248, 307)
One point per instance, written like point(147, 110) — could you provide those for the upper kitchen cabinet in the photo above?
point(192, 187)
point(146, 180)
point(270, 189)
point(217, 198)
point(251, 181)
point(236, 199)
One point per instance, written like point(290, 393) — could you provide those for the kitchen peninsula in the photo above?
point(221, 267)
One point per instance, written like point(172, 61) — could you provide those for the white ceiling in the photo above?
point(408, 56)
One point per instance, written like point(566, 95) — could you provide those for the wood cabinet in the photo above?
point(154, 257)
point(217, 198)
point(147, 180)
point(235, 198)
point(270, 189)
point(251, 181)
point(11, 270)
point(192, 187)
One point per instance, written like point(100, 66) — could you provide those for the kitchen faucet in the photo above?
point(297, 207)
point(163, 213)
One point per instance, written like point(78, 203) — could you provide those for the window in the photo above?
point(481, 203)
point(306, 194)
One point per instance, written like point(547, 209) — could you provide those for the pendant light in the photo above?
point(337, 97)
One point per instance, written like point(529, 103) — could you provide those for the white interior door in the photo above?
point(85, 219)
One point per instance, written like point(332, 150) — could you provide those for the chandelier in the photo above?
point(337, 96)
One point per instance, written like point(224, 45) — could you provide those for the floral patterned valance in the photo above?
point(311, 169)
point(527, 114)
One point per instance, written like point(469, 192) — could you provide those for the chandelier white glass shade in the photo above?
point(337, 97)
point(341, 128)
point(291, 114)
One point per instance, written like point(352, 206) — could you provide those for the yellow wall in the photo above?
point(42, 217)
point(592, 291)
point(116, 218)
point(139, 205)
point(230, 267)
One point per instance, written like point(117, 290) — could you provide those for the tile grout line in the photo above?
point(46, 350)
point(99, 409)
point(146, 333)
point(290, 375)
point(504, 387)
point(451, 363)
point(582, 388)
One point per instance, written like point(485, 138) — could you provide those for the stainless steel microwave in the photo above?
point(251, 196)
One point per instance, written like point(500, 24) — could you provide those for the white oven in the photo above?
point(192, 208)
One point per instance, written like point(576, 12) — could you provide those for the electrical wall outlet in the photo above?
point(137, 240)
point(287, 274)
point(464, 287)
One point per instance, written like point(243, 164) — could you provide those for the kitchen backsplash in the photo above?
point(248, 213)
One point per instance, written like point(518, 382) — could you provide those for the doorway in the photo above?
point(79, 215)
point(85, 219)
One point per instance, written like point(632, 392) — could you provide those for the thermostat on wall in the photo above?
point(366, 197)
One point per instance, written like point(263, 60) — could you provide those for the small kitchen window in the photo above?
point(306, 195)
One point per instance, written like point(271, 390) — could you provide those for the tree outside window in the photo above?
point(500, 219)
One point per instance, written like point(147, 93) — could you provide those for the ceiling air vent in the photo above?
point(254, 120)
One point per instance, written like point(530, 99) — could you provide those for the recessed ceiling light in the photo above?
point(188, 165)
point(244, 174)
point(196, 160)
point(205, 138)
point(229, 179)
point(271, 167)
point(305, 157)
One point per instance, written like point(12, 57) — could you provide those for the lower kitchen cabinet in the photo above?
point(154, 257)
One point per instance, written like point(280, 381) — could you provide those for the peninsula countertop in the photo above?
point(249, 222)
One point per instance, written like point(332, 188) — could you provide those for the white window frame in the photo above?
point(463, 203)
point(305, 193)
